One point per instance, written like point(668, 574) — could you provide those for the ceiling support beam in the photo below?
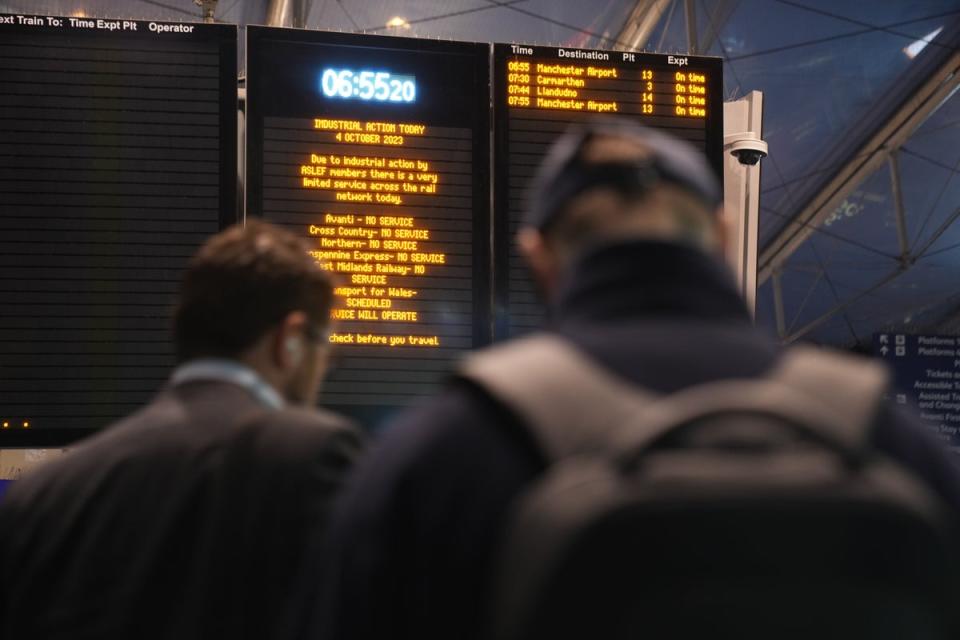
point(778, 304)
point(890, 136)
point(898, 211)
point(288, 13)
point(640, 24)
point(942, 229)
point(690, 13)
point(723, 9)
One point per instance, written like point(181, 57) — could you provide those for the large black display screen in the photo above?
point(376, 150)
point(539, 91)
point(117, 159)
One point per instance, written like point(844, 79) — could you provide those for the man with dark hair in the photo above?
point(189, 518)
point(625, 236)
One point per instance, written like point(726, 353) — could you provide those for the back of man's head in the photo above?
point(242, 283)
point(611, 180)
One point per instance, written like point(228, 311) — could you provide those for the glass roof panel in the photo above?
point(866, 217)
point(140, 10)
point(920, 296)
point(930, 200)
point(765, 313)
point(670, 34)
point(922, 182)
point(803, 288)
point(877, 295)
point(594, 24)
point(940, 241)
point(835, 330)
point(834, 271)
point(905, 297)
point(935, 137)
point(811, 107)
point(823, 66)
point(374, 16)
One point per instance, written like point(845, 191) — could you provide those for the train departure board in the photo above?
point(539, 91)
point(376, 150)
point(117, 159)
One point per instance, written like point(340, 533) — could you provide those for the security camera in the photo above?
point(746, 147)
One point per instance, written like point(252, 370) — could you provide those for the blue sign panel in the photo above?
point(926, 373)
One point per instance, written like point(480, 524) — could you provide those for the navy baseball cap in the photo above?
point(566, 171)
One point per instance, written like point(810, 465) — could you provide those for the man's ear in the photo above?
point(294, 348)
point(541, 258)
point(288, 348)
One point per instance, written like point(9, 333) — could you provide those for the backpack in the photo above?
point(751, 508)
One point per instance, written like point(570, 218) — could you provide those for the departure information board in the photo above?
point(376, 150)
point(539, 91)
point(117, 159)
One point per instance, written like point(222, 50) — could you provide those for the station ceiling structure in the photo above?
point(859, 196)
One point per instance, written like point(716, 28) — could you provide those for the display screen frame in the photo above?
point(225, 36)
point(503, 239)
point(478, 55)
point(491, 186)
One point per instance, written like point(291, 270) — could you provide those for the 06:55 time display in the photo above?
point(379, 86)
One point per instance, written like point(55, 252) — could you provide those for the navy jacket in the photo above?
point(413, 538)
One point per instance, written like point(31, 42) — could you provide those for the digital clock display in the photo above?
point(379, 86)
point(376, 150)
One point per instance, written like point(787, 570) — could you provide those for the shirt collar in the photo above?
point(230, 371)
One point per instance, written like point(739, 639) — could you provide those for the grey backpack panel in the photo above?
point(788, 456)
point(572, 405)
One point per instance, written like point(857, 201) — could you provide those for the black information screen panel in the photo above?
point(117, 159)
point(376, 150)
point(539, 91)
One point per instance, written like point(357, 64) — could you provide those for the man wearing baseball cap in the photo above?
point(624, 234)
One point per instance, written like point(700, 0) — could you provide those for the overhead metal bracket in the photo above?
point(207, 8)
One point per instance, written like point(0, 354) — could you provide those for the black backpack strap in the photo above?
point(568, 403)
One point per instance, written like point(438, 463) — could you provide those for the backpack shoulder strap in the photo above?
point(569, 404)
point(851, 388)
point(831, 397)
